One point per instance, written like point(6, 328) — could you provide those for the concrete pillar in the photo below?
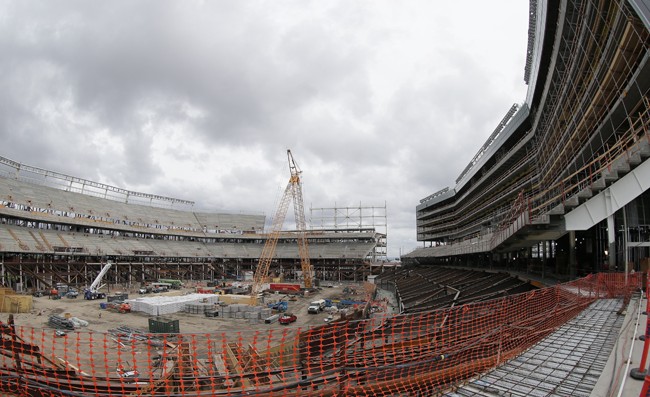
point(611, 242)
point(543, 257)
point(573, 265)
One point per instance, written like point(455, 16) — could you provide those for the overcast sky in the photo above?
point(380, 102)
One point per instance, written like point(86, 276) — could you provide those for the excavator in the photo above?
point(292, 191)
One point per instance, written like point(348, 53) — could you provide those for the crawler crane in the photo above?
point(293, 190)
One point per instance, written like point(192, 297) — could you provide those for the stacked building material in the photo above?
point(198, 308)
point(271, 319)
point(225, 311)
point(137, 334)
point(59, 322)
point(159, 305)
point(242, 311)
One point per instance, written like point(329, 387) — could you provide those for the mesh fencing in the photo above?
point(418, 354)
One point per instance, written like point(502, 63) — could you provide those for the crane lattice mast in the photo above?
point(292, 191)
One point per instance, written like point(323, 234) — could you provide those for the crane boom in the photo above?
point(95, 285)
point(92, 292)
point(292, 191)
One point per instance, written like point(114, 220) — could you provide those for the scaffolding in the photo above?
point(587, 114)
point(351, 219)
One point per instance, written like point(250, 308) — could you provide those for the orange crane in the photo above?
point(293, 190)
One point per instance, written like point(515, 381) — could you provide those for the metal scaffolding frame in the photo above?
point(589, 117)
point(353, 218)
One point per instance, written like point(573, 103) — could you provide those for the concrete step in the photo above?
point(621, 165)
point(585, 193)
point(634, 158)
point(644, 148)
point(572, 201)
point(610, 175)
point(557, 210)
point(599, 184)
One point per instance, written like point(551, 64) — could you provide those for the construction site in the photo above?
point(530, 279)
point(79, 263)
point(155, 324)
point(71, 346)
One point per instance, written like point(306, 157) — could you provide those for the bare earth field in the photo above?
point(100, 349)
point(101, 320)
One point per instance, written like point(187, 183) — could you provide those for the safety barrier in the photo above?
point(425, 353)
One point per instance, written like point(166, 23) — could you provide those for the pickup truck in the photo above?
point(316, 307)
point(287, 318)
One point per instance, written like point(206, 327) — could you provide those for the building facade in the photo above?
point(560, 186)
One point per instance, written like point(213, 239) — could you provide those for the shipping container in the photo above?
point(161, 325)
point(284, 287)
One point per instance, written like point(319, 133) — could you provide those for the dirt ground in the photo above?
point(99, 350)
point(101, 320)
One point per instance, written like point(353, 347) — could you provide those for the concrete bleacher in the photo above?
point(430, 288)
point(49, 220)
point(52, 201)
point(30, 240)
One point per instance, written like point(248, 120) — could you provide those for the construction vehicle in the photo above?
point(173, 283)
point(293, 190)
point(350, 302)
point(281, 306)
point(62, 289)
point(316, 307)
point(287, 318)
point(147, 289)
point(92, 292)
point(160, 287)
point(119, 307)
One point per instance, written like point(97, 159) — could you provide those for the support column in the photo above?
point(21, 276)
point(626, 256)
point(611, 231)
point(544, 257)
point(611, 243)
point(573, 271)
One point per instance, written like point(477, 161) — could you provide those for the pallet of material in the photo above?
point(272, 319)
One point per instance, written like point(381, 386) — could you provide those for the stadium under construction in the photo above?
point(58, 228)
point(556, 197)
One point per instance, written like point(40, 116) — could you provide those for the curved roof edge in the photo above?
point(511, 122)
point(540, 14)
point(46, 177)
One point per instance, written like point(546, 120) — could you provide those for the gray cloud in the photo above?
point(379, 102)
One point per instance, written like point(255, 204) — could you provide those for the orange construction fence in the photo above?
point(424, 353)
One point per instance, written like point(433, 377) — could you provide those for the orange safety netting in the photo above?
point(425, 352)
